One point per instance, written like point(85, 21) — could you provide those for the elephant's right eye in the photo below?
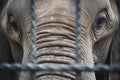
point(12, 23)
point(12, 29)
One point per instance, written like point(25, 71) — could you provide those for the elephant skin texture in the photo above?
point(56, 35)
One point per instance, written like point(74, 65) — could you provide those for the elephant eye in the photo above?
point(100, 21)
point(12, 23)
point(13, 29)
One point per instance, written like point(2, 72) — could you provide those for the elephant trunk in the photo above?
point(55, 45)
point(56, 39)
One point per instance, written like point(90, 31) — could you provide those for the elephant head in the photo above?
point(56, 34)
point(5, 52)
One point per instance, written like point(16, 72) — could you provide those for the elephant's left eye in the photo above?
point(100, 21)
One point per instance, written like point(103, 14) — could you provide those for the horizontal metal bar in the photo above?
point(59, 67)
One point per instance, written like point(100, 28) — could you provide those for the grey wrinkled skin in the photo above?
point(56, 33)
point(5, 52)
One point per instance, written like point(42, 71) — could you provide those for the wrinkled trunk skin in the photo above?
point(57, 45)
point(55, 40)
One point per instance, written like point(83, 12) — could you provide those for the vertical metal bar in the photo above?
point(78, 36)
point(33, 33)
point(33, 36)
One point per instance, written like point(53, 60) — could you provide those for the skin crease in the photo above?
point(55, 34)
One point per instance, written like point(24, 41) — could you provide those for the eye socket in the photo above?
point(13, 30)
point(12, 23)
point(100, 21)
point(100, 24)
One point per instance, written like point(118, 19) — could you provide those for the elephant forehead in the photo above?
point(55, 7)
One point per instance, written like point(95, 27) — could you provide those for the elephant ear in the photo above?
point(115, 51)
point(115, 5)
point(118, 4)
point(115, 47)
point(1, 5)
point(116, 40)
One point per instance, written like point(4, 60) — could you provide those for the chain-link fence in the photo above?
point(60, 67)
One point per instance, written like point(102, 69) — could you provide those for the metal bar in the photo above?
point(78, 35)
point(33, 36)
point(59, 67)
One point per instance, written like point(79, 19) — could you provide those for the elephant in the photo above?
point(56, 35)
point(5, 52)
